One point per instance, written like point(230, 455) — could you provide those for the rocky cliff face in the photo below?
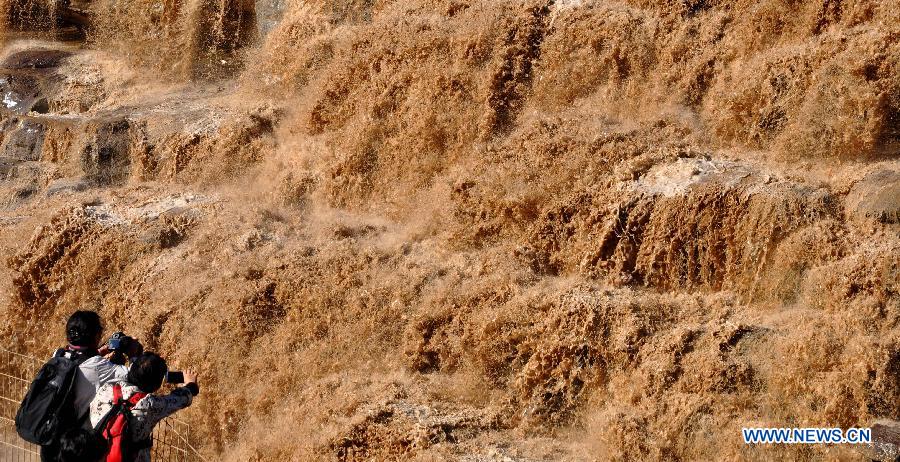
point(467, 230)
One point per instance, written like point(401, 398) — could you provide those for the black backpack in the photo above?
point(47, 410)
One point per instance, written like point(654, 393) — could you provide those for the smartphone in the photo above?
point(174, 377)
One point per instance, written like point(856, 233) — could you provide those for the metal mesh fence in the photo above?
point(16, 372)
point(171, 438)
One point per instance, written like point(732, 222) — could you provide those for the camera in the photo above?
point(120, 343)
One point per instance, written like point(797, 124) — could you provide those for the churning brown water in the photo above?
point(468, 230)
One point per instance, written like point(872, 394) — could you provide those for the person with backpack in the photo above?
point(59, 398)
point(124, 413)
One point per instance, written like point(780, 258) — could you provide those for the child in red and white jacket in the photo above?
point(145, 377)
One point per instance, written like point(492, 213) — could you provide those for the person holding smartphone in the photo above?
point(145, 377)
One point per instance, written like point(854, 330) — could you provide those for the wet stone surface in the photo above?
point(23, 142)
point(876, 196)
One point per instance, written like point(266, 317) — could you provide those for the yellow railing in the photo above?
point(171, 438)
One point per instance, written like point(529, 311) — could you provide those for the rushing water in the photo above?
point(477, 230)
